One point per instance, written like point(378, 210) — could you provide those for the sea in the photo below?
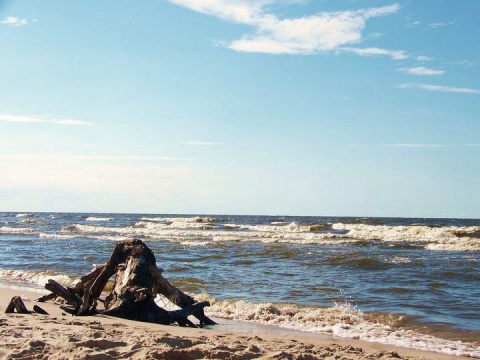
point(399, 281)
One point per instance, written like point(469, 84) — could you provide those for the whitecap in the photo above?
point(39, 278)
point(93, 218)
point(11, 230)
point(24, 215)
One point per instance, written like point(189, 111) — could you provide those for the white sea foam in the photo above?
point(93, 218)
point(24, 215)
point(39, 278)
point(11, 230)
point(231, 226)
point(196, 243)
point(340, 320)
point(400, 259)
point(155, 219)
point(186, 229)
point(56, 236)
point(433, 238)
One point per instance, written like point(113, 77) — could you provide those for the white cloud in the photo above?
point(465, 63)
point(13, 21)
point(374, 51)
point(244, 12)
point(420, 70)
point(441, 24)
point(305, 35)
point(424, 58)
point(439, 88)
point(31, 119)
point(70, 122)
point(412, 23)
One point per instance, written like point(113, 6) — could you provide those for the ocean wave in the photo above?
point(93, 218)
point(12, 230)
point(342, 320)
point(185, 229)
point(39, 278)
point(34, 222)
point(25, 215)
point(195, 243)
point(56, 236)
point(200, 231)
point(432, 238)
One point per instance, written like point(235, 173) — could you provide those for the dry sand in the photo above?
point(62, 336)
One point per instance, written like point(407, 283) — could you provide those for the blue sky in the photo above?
point(282, 107)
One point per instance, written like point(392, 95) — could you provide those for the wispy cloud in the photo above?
point(441, 24)
point(374, 51)
point(32, 119)
point(412, 23)
point(297, 36)
point(420, 70)
point(439, 88)
point(430, 146)
point(418, 146)
point(465, 63)
point(345, 98)
point(13, 21)
point(424, 58)
point(202, 143)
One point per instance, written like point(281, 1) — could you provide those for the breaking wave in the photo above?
point(342, 320)
point(93, 218)
point(37, 278)
point(207, 229)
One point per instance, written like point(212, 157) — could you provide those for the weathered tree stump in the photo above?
point(137, 282)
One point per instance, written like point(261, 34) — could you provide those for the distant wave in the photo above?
point(93, 218)
point(451, 238)
point(25, 215)
point(14, 230)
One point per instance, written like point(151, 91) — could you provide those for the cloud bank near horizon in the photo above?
point(305, 35)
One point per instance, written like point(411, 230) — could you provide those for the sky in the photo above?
point(267, 107)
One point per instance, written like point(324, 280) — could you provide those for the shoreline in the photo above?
point(62, 336)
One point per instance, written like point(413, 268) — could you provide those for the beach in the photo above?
point(63, 336)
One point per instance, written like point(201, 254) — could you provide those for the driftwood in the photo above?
point(17, 304)
point(137, 282)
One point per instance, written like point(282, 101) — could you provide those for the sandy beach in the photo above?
point(62, 336)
